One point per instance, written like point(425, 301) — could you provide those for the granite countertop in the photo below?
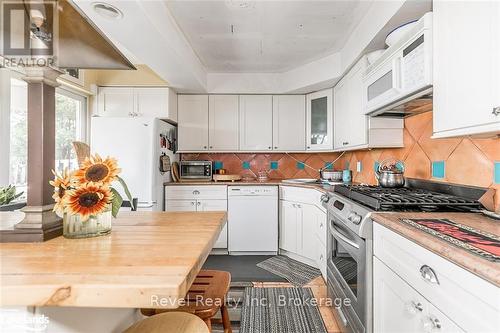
point(320, 187)
point(482, 267)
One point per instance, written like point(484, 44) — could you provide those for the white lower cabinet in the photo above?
point(206, 198)
point(303, 227)
point(416, 290)
point(397, 307)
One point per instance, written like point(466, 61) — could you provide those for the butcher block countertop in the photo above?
point(480, 266)
point(148, 256)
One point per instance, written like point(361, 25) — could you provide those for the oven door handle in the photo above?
point(336, 233)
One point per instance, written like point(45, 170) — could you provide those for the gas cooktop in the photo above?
point(405, 199)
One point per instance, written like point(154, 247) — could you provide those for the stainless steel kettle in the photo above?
point(390, 173)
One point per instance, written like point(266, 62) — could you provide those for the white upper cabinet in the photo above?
point(256, 122)
point(466, 68)
point(319, 121)
point(193, 122)
point(289, 122)
point(116, 102)
point(223, 122)
point(349, 120)
point(159, 102)
point(352, 128)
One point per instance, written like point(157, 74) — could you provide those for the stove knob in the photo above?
point(325, 198)
point(354, 218)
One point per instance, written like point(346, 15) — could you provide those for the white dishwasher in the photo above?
point(252, 219)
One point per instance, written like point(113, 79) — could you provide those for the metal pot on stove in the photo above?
point(390, 173)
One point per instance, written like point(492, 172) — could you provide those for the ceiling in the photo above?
point(265, 36)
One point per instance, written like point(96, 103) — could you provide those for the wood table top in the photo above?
point(149, 260)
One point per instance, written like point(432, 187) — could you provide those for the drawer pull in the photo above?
point(414, 307)
point(428, 274)
point(196, 192)
point(430, 324)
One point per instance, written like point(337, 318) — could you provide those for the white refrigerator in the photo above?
point(137, 144)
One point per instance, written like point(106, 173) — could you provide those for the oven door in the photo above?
point(347, 263)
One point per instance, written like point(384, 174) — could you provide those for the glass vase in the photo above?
point(95, 225)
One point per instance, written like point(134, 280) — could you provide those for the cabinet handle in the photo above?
point(496, 110)
point(308, 147)
point(196, 192)
point(275, 147)
point(269, 147)
point(211, 147)
point(198, 203)
point(299, 206)
point(414, 307)
point(204, 147)
point(192, 203)
point(321, 257)
point(430, 324)
point(428, 274)
point(130, 114)
point(345, 143)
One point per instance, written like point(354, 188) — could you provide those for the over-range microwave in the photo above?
point(195, 170)
point(399, 83)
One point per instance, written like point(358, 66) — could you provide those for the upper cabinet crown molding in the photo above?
point(466, 70)
point(154, 102)
point(319, 120)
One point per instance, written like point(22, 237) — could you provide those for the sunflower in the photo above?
point(88, 199)
point(61, 184)
point(96, 170)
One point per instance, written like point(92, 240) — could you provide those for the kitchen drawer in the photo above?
point(303, 195)
point(470, 301)
point(188, 192)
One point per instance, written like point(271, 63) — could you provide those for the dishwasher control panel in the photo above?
point(252, 190)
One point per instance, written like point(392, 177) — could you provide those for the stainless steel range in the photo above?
point(350, 247)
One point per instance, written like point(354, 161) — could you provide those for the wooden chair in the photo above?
point(170, 322)
point(82, 151)
point(211, 286)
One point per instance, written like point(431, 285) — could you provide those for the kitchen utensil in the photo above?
point(346, 176)
point(330, 175)
point(175, 172)
point(226, 178)
point(390, 173)
point(399, 32)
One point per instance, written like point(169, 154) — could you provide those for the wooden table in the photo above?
point(149, 260)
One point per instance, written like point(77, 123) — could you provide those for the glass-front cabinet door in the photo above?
point(319, 120)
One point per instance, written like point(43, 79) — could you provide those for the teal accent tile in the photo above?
point(300, 165)
point(497, 173)
point(329, 165)
point(438, 168)
point(400, 166)
point(218, 165)
point(246, 165)
point(376, 164)
point(274, 165)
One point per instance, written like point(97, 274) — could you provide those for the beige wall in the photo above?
point(143, 76)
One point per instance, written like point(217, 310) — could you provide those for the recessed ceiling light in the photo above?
point(107, 11)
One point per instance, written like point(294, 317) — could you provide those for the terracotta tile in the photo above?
point(417, 164)
point(437, 149)
point(287, 167)
point(328, 157)
point(416, 124)
point(469, 166)
point(301, 174)
point(490, 147)
point(275, 174)
point(367, 174)
point(315, 162)
point(233, 165)
point(300, 156)
point(246, 157)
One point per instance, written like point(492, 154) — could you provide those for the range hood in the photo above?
point(419, 102)
point(76, 42)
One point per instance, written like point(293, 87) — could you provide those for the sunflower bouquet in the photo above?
point(87, 192)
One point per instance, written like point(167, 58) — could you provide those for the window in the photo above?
point(70, 126)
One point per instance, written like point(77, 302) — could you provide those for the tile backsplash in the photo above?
point(468, 161)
